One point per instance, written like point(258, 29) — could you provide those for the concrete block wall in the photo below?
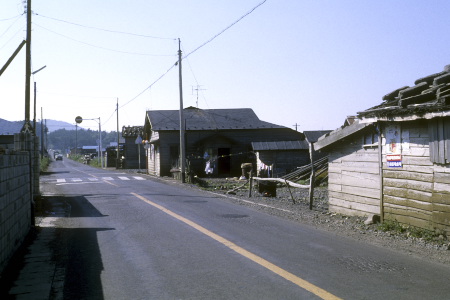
point(15, 203)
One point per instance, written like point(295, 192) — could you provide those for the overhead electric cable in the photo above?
point(7, 19)
point(205, 43)
point(154, 82)
point(106, 30)
point(12, 37)
point(9, 27)
point(99, 47)
point(228, 27)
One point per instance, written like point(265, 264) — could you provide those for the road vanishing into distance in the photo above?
point(132, 236)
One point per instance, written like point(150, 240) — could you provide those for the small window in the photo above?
point(439, 132)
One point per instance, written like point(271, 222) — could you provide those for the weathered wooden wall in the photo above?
point(417, 194)
point(354, 178)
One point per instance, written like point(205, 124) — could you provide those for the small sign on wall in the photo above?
point(394, 160)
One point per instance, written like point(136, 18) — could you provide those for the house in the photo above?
point(394, 160)
point(134, 151)
point(217, 140)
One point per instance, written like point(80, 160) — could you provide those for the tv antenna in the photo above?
point(197, 89)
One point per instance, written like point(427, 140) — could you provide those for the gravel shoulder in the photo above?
point(435, 248)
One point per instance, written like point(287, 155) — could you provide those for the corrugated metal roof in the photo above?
point(207, 119)
point(280, 145)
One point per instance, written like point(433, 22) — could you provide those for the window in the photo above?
point(439, 133)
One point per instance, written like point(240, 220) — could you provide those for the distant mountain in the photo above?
point(11, 127)
point(53, 125)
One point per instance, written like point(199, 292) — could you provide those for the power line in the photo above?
point(106, 30)
point(7, 19)
point(154, 82)
point(226, 28)
point(205, 43)
point(100, 47)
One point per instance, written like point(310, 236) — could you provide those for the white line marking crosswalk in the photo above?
point(97, 179)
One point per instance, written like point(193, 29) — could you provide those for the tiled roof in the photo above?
point(132, 131)
point(207, 119)
point(280, 145)
point(429, 94)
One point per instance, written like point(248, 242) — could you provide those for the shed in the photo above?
point(395, 159)
point(275, 159)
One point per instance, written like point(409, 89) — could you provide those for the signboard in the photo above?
point(138, 140)
point(393, 139)
point(78, 119)
point(394, 160)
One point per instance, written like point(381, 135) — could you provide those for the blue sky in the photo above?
point(310, 63)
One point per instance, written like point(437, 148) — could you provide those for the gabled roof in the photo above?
point(207, 119)
point(9, 128)
point(339, 134)
point(280, 145)
point(313, 136)
point(430, 94)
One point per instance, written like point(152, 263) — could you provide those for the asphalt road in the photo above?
point(130, 236)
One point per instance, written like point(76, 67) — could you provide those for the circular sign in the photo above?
point(78, 119)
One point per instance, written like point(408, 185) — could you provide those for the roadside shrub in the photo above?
point(45, 162)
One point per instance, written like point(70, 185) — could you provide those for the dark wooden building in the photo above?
point(217, 140)
point(133, 150)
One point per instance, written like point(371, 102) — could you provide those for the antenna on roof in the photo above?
point(197, 89)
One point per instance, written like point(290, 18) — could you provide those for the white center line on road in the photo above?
point(247, 254)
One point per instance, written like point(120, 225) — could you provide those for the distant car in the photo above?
point(59, 157)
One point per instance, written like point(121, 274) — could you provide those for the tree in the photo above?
point(63, 139)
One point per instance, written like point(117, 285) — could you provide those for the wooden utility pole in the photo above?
point(312, 178)
point(118, 135)
point(27, 127)
point(182, 125)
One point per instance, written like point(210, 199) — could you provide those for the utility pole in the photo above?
point(42, 133)
point(118, 135)
point(296, 126)
point(27, 127)
point(182, 125)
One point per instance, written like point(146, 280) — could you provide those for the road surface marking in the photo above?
point(138, 178)
point(76, 180)
point(107, 178)
point(60, 180)
point(93, 179)
point(109, 182)
point(253, 257)
point(123, 178)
